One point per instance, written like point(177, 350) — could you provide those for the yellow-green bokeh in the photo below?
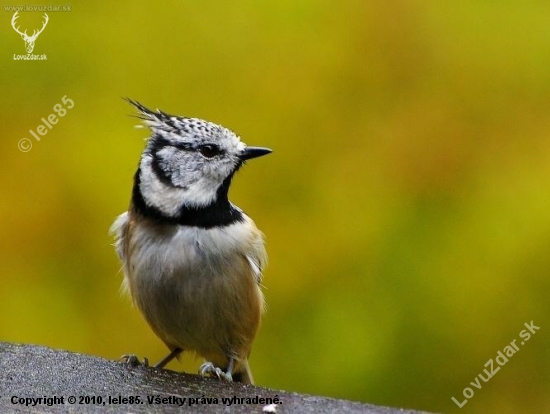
point(406, 204)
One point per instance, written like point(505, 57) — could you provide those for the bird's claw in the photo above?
point(208, 368)
point(133, 361)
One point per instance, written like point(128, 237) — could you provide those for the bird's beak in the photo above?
point(253, 152)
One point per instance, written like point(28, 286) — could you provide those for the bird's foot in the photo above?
point(209, 369)
point(133, 361)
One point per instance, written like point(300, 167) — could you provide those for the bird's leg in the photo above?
point(173, 354)
point(208, 368)
point(132, 360)
point(229, 371)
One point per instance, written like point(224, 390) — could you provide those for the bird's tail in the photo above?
point(243, 374)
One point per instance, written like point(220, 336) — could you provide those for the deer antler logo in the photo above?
point(29, 40)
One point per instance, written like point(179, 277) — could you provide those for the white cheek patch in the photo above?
point(201, 193)
point(157, 194)
point(168, 199)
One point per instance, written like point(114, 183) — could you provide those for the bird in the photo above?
point(193, 261)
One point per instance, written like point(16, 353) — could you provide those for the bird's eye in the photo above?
point(209, 150)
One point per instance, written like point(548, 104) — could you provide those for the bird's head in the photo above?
point(188, 163)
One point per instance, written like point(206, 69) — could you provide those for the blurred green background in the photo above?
point(406, 204)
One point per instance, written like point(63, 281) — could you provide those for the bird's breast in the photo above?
point(158, 251)
point(193, 283)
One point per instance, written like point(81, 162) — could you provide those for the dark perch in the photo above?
point(36, 371)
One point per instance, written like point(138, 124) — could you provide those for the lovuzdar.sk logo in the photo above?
point(29, 40)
